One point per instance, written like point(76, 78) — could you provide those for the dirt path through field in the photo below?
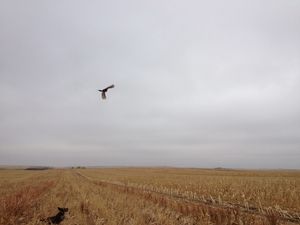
point(205, 202)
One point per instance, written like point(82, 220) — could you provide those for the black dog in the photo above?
point(57, 219)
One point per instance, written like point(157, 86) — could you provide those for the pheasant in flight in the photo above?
point(105, 90)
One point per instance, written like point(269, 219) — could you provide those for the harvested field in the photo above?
point(150, 196)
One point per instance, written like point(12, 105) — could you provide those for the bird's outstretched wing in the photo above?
point(103, 95)
point(111, 86)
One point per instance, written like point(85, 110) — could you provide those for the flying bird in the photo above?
point(105, 90)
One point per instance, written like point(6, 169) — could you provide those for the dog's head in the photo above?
point(63, 209)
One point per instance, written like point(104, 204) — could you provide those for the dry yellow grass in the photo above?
point(150, 196)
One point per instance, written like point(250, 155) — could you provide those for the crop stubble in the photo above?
point(151, 196)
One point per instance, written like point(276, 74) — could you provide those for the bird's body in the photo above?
point(105, 90)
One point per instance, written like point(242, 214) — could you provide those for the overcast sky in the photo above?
point(197, 83)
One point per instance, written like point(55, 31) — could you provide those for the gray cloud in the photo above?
point(198, 84)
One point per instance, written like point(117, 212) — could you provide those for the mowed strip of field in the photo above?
point(142, 196)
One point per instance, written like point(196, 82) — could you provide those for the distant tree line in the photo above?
point(221, 168)
point(39, 168)
point(79, 167)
